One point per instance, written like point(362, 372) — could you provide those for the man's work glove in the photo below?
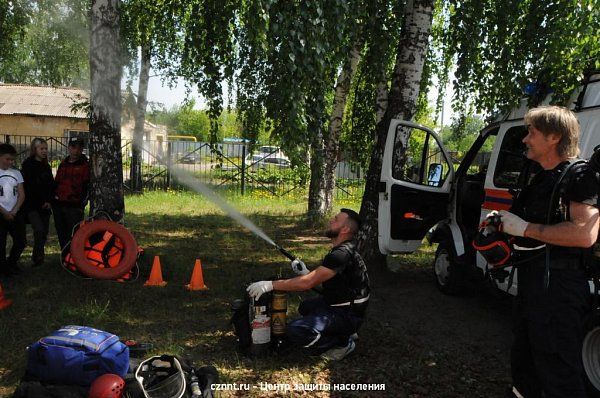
point(257, 289)
point(299, 267)
point(513, 224)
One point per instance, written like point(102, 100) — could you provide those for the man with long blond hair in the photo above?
point(553, 295)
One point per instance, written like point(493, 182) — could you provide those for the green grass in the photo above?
point(179, 227)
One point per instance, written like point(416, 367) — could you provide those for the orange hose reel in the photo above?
point(103, 249)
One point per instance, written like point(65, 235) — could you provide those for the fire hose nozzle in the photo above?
point(285, 253)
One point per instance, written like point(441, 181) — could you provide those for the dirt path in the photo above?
point(421, 343)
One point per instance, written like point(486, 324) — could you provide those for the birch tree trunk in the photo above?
point(316, 200)
point(332, 142)
point(140, 117)
point(381, 98)
point(316, 123)
point(106, 188)
point(402, 103)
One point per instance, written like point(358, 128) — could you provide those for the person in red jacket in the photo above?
point(71, 194)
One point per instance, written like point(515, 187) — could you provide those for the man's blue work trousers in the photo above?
point(322, 326)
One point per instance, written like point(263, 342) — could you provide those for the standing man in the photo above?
point(12, 196)
point(71, 194)
point(550, 306)
point(330, 321)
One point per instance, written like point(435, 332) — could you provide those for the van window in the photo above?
point(418, 158)
point(511, 158)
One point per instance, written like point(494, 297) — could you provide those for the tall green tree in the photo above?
point(332, 139)
point(500, 46)
point(368, 96)
point(150, 28)
point(53, 47)
point(292, 53)
point(401, 104)
point(207, 52)
point(13, 21)
point(194, 122)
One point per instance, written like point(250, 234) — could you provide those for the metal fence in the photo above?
point(226, 165)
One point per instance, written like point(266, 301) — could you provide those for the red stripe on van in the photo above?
point(497, 199)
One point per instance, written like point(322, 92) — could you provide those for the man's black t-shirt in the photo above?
point(351, 280)
point(533, 202)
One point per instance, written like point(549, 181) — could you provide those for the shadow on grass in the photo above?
point(412, 340)
point(172, 318)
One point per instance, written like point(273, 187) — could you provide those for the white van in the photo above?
point(424, 193)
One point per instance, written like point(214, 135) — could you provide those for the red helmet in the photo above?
point(107, 386)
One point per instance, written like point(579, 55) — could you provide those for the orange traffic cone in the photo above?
point(155, 274)
point(197, 281)
point(4, 302)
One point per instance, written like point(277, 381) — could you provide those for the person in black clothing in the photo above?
point(330, 321)
point(71, 193)
point(551, 301)
point(39, 190)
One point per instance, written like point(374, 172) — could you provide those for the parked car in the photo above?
point(266, 161)
point(269, 149)
point(189, 158)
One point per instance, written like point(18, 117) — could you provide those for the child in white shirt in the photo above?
point(12, 195)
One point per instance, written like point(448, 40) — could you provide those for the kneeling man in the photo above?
point(329, 321)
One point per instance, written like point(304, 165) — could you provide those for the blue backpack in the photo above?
point(76, 355)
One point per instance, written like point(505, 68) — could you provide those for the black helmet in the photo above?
point(161, 377)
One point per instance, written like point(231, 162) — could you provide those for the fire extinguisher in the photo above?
point(260, 324)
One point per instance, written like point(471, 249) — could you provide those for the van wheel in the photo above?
point(590, 354)
point(446, 270)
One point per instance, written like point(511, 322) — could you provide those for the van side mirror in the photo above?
point(434, 174)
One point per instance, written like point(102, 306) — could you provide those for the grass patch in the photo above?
point(179, 227)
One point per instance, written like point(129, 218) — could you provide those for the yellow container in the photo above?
point(278, 313)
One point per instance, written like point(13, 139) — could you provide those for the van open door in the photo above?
point(414, 190)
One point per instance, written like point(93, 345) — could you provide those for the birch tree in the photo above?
point(106, 190)
point(150, 28)
point(332, 141)
point(401, 104)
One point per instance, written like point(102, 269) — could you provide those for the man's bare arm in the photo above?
point(304, 282)
point(580, 231)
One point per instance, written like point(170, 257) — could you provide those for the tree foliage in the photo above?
point(502, 45)
point(288, 60)
point(461, 134)
point(381, 33)
point(185, 120)
point(13, 19)
point(53, 47)
point(156, 27)
point(206, 54)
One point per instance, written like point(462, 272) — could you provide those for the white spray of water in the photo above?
point(188, 179)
